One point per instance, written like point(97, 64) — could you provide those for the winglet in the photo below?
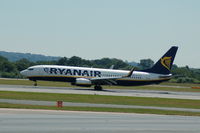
point(130, 73)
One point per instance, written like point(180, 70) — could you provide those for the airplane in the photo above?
point(87, 77)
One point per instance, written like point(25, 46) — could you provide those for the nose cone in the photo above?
point(24, 73)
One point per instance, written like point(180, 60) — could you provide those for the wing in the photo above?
point(110, 80)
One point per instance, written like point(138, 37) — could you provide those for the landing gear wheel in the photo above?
point(35, 84)
point(98, 88)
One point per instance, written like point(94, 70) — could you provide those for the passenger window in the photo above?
point(30, 69)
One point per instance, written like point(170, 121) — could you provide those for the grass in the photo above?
point(97, 109)
point(120, 100)
point(169, 87)
point(30, 83)
point(99, 99)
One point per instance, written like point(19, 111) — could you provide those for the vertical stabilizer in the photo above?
point(164, 65)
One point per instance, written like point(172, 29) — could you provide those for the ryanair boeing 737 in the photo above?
point(86, 77)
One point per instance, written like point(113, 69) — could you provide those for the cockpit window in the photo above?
point(30, 69)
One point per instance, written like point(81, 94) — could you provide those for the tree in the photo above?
point(75, 61)
point(3, 59)
point(8, 67)
point(23, 64)
point(146, 63)
point(62, 61)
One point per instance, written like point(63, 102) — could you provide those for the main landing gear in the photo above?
point(35, 83)
point(98, 88)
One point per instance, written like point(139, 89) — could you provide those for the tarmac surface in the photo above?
point(50, 121)
point(111, 92)
point(46, 121)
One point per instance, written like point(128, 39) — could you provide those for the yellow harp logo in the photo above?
point(166, 62)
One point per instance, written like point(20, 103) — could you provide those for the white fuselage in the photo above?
point(83, 76)
point(92, 76)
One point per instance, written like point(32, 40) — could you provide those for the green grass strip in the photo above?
point(102, 99)
point(97, 109)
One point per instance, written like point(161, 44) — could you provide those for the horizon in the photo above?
point(97, 58)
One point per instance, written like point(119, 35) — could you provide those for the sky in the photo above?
point(93, 29)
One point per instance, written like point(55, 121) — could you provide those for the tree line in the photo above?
point(10, 69)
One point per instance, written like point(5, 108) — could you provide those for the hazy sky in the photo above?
point(92, 29)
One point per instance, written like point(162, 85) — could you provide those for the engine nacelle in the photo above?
point(82, 82)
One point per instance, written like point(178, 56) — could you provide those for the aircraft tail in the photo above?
point(164, 64)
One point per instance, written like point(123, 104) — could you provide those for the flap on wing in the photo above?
point(105, 80)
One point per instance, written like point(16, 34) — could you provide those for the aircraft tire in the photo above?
point(98, 88)
point(35, 83)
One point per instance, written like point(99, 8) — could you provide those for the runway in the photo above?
point(44, 121)
point(111, 92)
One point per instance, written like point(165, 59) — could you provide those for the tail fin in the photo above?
point(164, 65)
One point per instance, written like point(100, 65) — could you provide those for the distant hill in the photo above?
point(13, 56)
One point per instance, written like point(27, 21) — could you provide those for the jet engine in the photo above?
point(82, 82)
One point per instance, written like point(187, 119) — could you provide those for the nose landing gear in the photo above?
point(35, 83)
